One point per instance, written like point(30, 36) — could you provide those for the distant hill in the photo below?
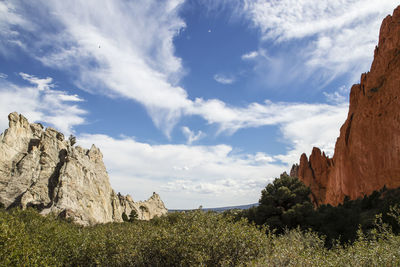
point(221, 209)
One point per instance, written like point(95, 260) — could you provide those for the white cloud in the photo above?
point(191, 136)
point(125, 49)
point(208, 175)
point(223, 79)
point(339, 96)
point(231, 119)
point(42, 84)
point(9, 19)
point(40, 103)
point(333, 27)
point(3, 76)
point(250, 55)
point(319, 128)
point(118, 48)
point(136, 57)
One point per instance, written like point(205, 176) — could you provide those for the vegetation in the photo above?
point(285, 204)
point(133, 216)
point(289, 233)
point(184, 239)
point(179, 239)
point(125, 217)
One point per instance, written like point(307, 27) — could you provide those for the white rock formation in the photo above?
point(39, 168)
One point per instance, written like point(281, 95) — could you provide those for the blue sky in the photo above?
point(202, 101)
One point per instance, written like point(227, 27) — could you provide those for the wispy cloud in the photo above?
point(41, 84)
point(40, 103)
point(119, 48)
point(191, 136)
point(10, 19)
point(250, 55)
point(224, 79)
point(332, 28)
point(133, 57)
point(339, 96)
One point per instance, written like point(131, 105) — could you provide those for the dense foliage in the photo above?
point(182, 239)
point(290, 233)
point(285, 204)
point(179, 239)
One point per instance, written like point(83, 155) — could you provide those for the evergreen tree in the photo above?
point(284, 203)
point(133, 216)
point(125, 217)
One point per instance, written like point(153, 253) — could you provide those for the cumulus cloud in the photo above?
point(40, 103)
point(223, 79)
point(209, 174)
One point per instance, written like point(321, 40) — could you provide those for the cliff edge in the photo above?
point(367, 152)
point(39, 168)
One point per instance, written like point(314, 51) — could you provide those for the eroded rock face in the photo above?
point(39, 168)
point(367, 153)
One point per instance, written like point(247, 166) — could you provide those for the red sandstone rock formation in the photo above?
point(367, 153)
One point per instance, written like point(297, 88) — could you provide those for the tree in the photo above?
point(124, 217)
point(72, 140)
point(284, 203)
point(133, 216)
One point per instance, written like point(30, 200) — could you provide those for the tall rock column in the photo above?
point(367, 152)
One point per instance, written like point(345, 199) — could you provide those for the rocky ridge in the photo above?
point(40, 168)
point(367, 152)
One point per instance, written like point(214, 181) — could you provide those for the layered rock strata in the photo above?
point(367, 152)
point(40, 168)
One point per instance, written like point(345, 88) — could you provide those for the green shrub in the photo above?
point(194, 238)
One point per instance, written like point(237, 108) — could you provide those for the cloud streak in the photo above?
point(223, 79)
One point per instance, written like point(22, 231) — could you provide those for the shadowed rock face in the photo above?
point(39, 168)
point(367, 152)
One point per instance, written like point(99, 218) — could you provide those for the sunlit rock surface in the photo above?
point(367, 152)
point(40, 168)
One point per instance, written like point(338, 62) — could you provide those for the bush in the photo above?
point(194, 238)
point(180, 239)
